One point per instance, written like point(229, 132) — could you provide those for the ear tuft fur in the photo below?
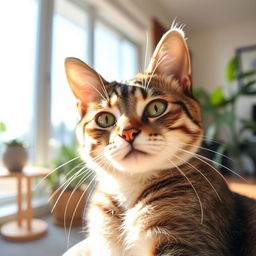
point(175, 26)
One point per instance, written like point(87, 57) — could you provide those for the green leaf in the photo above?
point(248, 125)
point(227, 118)
point(200, 94)
point(217, 97)
point(247, 74)
point(211, 132)
point(219, 156)
point(247, 90)
point(14, 142)
point(2, 127)
point(231, 70)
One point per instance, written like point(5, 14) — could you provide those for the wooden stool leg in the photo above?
point(19, 201)
point(29, 203)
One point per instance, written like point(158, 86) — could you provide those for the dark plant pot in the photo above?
point(248, 159)
point(211, 154)
point(69, 209)
point(15, 158)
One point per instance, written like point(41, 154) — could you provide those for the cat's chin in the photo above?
point(134, 154)
point(138, 162)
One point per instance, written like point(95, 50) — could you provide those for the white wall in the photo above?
point(211, 51)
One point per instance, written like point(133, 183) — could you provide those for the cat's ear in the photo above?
point(85, 83)
point(171, 57)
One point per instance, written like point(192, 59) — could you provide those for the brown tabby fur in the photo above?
point(183, 210)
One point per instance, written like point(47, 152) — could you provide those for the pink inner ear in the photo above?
point(171, 58)
point(86, 84)
point(86, 96)
point(82, 92)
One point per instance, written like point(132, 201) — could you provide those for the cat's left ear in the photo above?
point(85, 83)
point(171, 57)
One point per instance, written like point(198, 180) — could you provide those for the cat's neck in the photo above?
point(127, 188)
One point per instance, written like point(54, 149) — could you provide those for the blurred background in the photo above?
point(38, 114)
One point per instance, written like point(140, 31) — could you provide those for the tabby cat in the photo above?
point(156, 195)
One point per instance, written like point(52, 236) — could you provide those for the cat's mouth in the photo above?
point(134, 153)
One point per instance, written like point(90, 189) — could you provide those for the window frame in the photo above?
point(44, 65)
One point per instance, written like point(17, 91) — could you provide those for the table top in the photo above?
point(29, 171)
point(240, 186)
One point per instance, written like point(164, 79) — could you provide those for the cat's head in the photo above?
point(149, 123)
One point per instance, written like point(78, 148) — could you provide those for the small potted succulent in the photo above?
point(15, 156)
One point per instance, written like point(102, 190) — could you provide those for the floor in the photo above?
point(54, 243)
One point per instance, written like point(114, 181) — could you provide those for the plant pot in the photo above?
point(211, 151)
point(15, 158)
point(70, 205)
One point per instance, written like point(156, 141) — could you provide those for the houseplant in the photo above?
point(219, 114)
point(2, 127)
point(15, 156)
point(68, 184)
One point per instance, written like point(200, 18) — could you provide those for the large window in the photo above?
point(70, 38)
point(18, 26)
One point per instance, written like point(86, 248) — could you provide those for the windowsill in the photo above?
point(40, 208)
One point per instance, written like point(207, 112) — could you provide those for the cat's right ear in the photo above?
point(171, 58)
point(85, 83)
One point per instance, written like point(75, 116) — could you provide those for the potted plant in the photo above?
point(219, 115)
point(15, 156)
point(68, 184)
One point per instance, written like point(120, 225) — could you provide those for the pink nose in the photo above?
point(129, 134)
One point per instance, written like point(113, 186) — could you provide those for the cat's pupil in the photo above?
point(106, 119)
point(156, 108)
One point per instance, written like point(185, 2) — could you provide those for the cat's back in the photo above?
point(244, 226)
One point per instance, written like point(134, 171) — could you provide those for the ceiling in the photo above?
point(205, 14)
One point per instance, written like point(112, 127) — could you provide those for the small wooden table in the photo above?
point(24, 228)
point(242, 187)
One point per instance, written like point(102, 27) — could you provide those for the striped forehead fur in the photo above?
point(126, 96)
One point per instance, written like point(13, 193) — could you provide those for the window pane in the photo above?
point(129, 60)
point(106, 53)
point(115, 58)
point(18, 26)
point(69, 40)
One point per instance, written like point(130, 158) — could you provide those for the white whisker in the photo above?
point(68, 182)
point(70, 197)
point(76, 209)
point(158, 63)
point(200, 156)
point(45, 177)
point(145, 60)
point(201, 174)
point(207, 149)
point(62, 185)
point(103, 87)
point(199, 200)
point(97, 91)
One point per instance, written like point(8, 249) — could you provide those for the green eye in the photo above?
point(105, 119)
point(156, 108)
